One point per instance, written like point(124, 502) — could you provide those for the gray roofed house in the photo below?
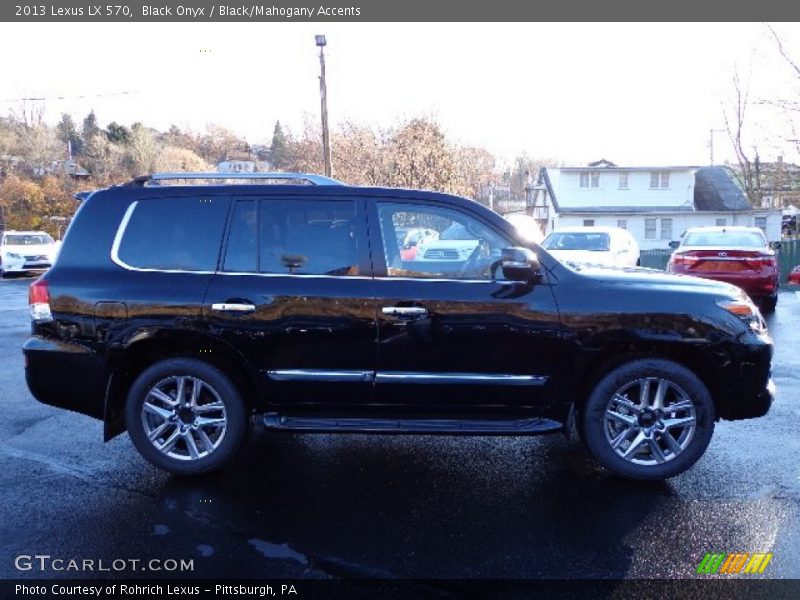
point(655, 203)
point(716, 189)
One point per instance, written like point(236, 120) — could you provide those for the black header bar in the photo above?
point(127, 11)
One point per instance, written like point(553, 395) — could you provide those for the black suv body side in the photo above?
point(308, 308)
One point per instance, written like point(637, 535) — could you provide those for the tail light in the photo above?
point(766, 260)
point(683, 259)
point(39, 301)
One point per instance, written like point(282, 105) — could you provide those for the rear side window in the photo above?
point(293, 237)
point(174, 234)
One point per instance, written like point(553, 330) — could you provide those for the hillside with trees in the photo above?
point(42, 165)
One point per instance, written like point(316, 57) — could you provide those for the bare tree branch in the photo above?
point(782, 50)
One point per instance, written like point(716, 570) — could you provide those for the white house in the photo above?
point(656, 204)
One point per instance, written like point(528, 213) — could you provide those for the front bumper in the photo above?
point(754, 406)
point(23, 266)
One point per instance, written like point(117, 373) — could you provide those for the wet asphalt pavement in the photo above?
point(380, 506)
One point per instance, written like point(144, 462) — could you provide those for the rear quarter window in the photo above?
point(173, 234)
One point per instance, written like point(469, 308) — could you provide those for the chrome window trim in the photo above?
point(118, 240)
point(121, 263)
point(300, 275)
point(437, 280)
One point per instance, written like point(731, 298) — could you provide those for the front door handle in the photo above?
point(233, 307)
point(404, 311)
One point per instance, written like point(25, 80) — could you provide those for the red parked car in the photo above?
point(794, 276)
point(738, 255)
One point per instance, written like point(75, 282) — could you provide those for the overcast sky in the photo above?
point(636, 94)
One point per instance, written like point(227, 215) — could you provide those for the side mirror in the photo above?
point(775, 245)
point(674, 244)
point(520, 264)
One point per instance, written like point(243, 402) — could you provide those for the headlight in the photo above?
point(746, 311)
point(13, 255)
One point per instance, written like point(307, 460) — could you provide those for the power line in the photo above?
point(76, 97)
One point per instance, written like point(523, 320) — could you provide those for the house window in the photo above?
point(666, 229)
point(588, 222)
point(622, 223)
point(590, 180)
point(721, 222)
point(761, 223)
point(650, 229)
point(623, 181)
point(659, 179)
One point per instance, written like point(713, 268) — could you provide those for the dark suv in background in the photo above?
point(178, 311)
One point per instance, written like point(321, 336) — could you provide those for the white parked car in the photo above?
point(22, 251)
point(607, 246)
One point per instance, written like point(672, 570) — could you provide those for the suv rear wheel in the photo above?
point(185, 416)
point(648, 419)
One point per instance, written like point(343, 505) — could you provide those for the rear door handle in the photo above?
point(404, 311)
point(233, 307)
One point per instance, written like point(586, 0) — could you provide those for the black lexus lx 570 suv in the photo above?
point(183, 305)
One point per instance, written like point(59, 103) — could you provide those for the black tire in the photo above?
point(650, 427)
point(213, 451)
point(768, 304)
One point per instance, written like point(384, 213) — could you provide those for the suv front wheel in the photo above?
point(648, 419)
point(185, 416)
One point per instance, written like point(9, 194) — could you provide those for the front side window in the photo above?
point(453, 245)
point(182, 234)
point(293, 237)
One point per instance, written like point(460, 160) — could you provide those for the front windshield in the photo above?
point(591, 241)
point(28, 240)
point(742, 239)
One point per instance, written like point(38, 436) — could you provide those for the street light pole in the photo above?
point(323, 97)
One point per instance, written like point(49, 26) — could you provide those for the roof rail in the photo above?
point(313, 179)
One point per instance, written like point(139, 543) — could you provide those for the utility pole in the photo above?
point(323, 97)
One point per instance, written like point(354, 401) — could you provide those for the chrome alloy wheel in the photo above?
point(650, 421)
point(184, 417)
